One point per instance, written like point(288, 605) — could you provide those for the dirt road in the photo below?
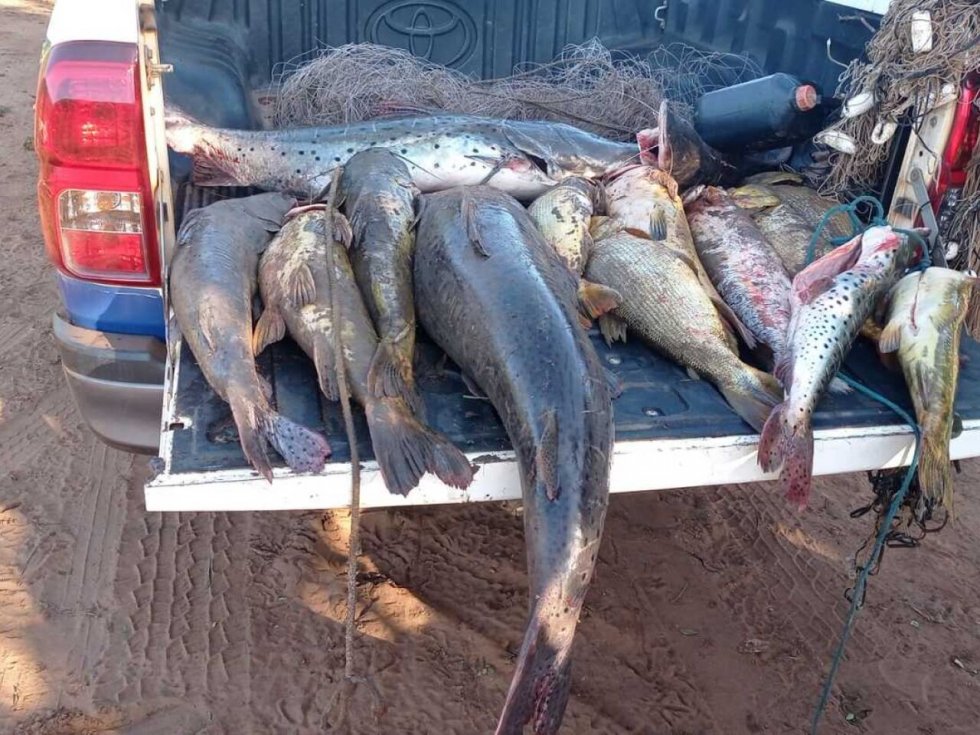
point(714, 611)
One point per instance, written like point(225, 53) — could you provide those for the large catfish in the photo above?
point(495, 296)
point(212, 282)
point(405, 448)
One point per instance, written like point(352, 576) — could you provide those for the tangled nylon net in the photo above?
point(587, 86)
point(905, 83)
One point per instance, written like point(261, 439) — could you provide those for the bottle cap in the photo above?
point(806, 97)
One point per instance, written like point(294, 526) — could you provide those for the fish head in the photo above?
point(754, 197)
point(673, 146)
point(883, 240)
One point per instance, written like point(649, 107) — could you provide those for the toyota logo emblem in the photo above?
point(434, 30)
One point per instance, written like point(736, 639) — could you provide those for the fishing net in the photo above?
point(905, 82)
point(587, 86)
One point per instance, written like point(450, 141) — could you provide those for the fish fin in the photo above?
point(612, 328)
point(390, 374)
point(468, 212)
point(530, 147)
point(658, 224)
point(326, 368)
point(270, 328)
point(972, 320)
point(250, 425)
point(303, 449)
point(637, 232)
point(584, 320)
point(774, 177)
point(208, 171)
point(752, 395)
point(935, 478)
point(546, 457)
point(405, 449)
point(692, 373)
point(601, 226)
point(614, 384)
point(596, 299)
point(839, 388)
point(891, 337)
point(300, 286)
point(783, 370)
point(781, 443)
point(342, 232)
point(475, 390)
point(725, 312)
point(820, 274)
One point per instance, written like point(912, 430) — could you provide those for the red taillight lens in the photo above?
point(94, 190)
point(961, 143)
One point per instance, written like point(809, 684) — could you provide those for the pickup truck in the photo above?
point(111, 197)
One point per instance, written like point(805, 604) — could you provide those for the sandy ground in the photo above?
point(713, 611)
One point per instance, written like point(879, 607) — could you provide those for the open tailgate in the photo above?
point(671, 431)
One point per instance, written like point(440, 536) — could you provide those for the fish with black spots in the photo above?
point(495, 296)
point(830, 301)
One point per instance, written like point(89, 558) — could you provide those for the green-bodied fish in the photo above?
point(926, 311)
point(404, 448)
point(563, 215)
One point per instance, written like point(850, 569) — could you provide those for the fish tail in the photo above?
point(792, 446)
point(753, 395)
point(248, 421)
point(303, 449)
point(596, 299)
point(935, 478)
point(211, 165)
point(405, 449)
point(390, 374)
point(542, 680)
point(184, 133)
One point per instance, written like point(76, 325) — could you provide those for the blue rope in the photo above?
point(860, 585)
point(857, 597)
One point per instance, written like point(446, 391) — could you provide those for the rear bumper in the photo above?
point(117, 383)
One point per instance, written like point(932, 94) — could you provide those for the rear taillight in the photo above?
point(94, 189)
point(960, 147)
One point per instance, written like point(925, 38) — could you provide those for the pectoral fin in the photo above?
point(270, 329)
point(546, 457)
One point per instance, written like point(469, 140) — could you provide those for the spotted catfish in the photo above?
point(830, 301)
point(441, 151)
point(564, 216)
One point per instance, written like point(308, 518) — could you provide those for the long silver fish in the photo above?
point(404, 448)
point(498, 300)
point(443, 151)
point(831, 300)
point(926, 312)
point(212, 282)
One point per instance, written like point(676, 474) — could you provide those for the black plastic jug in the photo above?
point(770, 112)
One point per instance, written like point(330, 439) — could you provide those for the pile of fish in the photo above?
point(640, 239)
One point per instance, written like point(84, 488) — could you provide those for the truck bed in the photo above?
point(671, 431)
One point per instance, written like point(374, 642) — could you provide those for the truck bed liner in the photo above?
point(671, 431)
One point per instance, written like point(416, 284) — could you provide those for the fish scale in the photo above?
point(664, 303)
